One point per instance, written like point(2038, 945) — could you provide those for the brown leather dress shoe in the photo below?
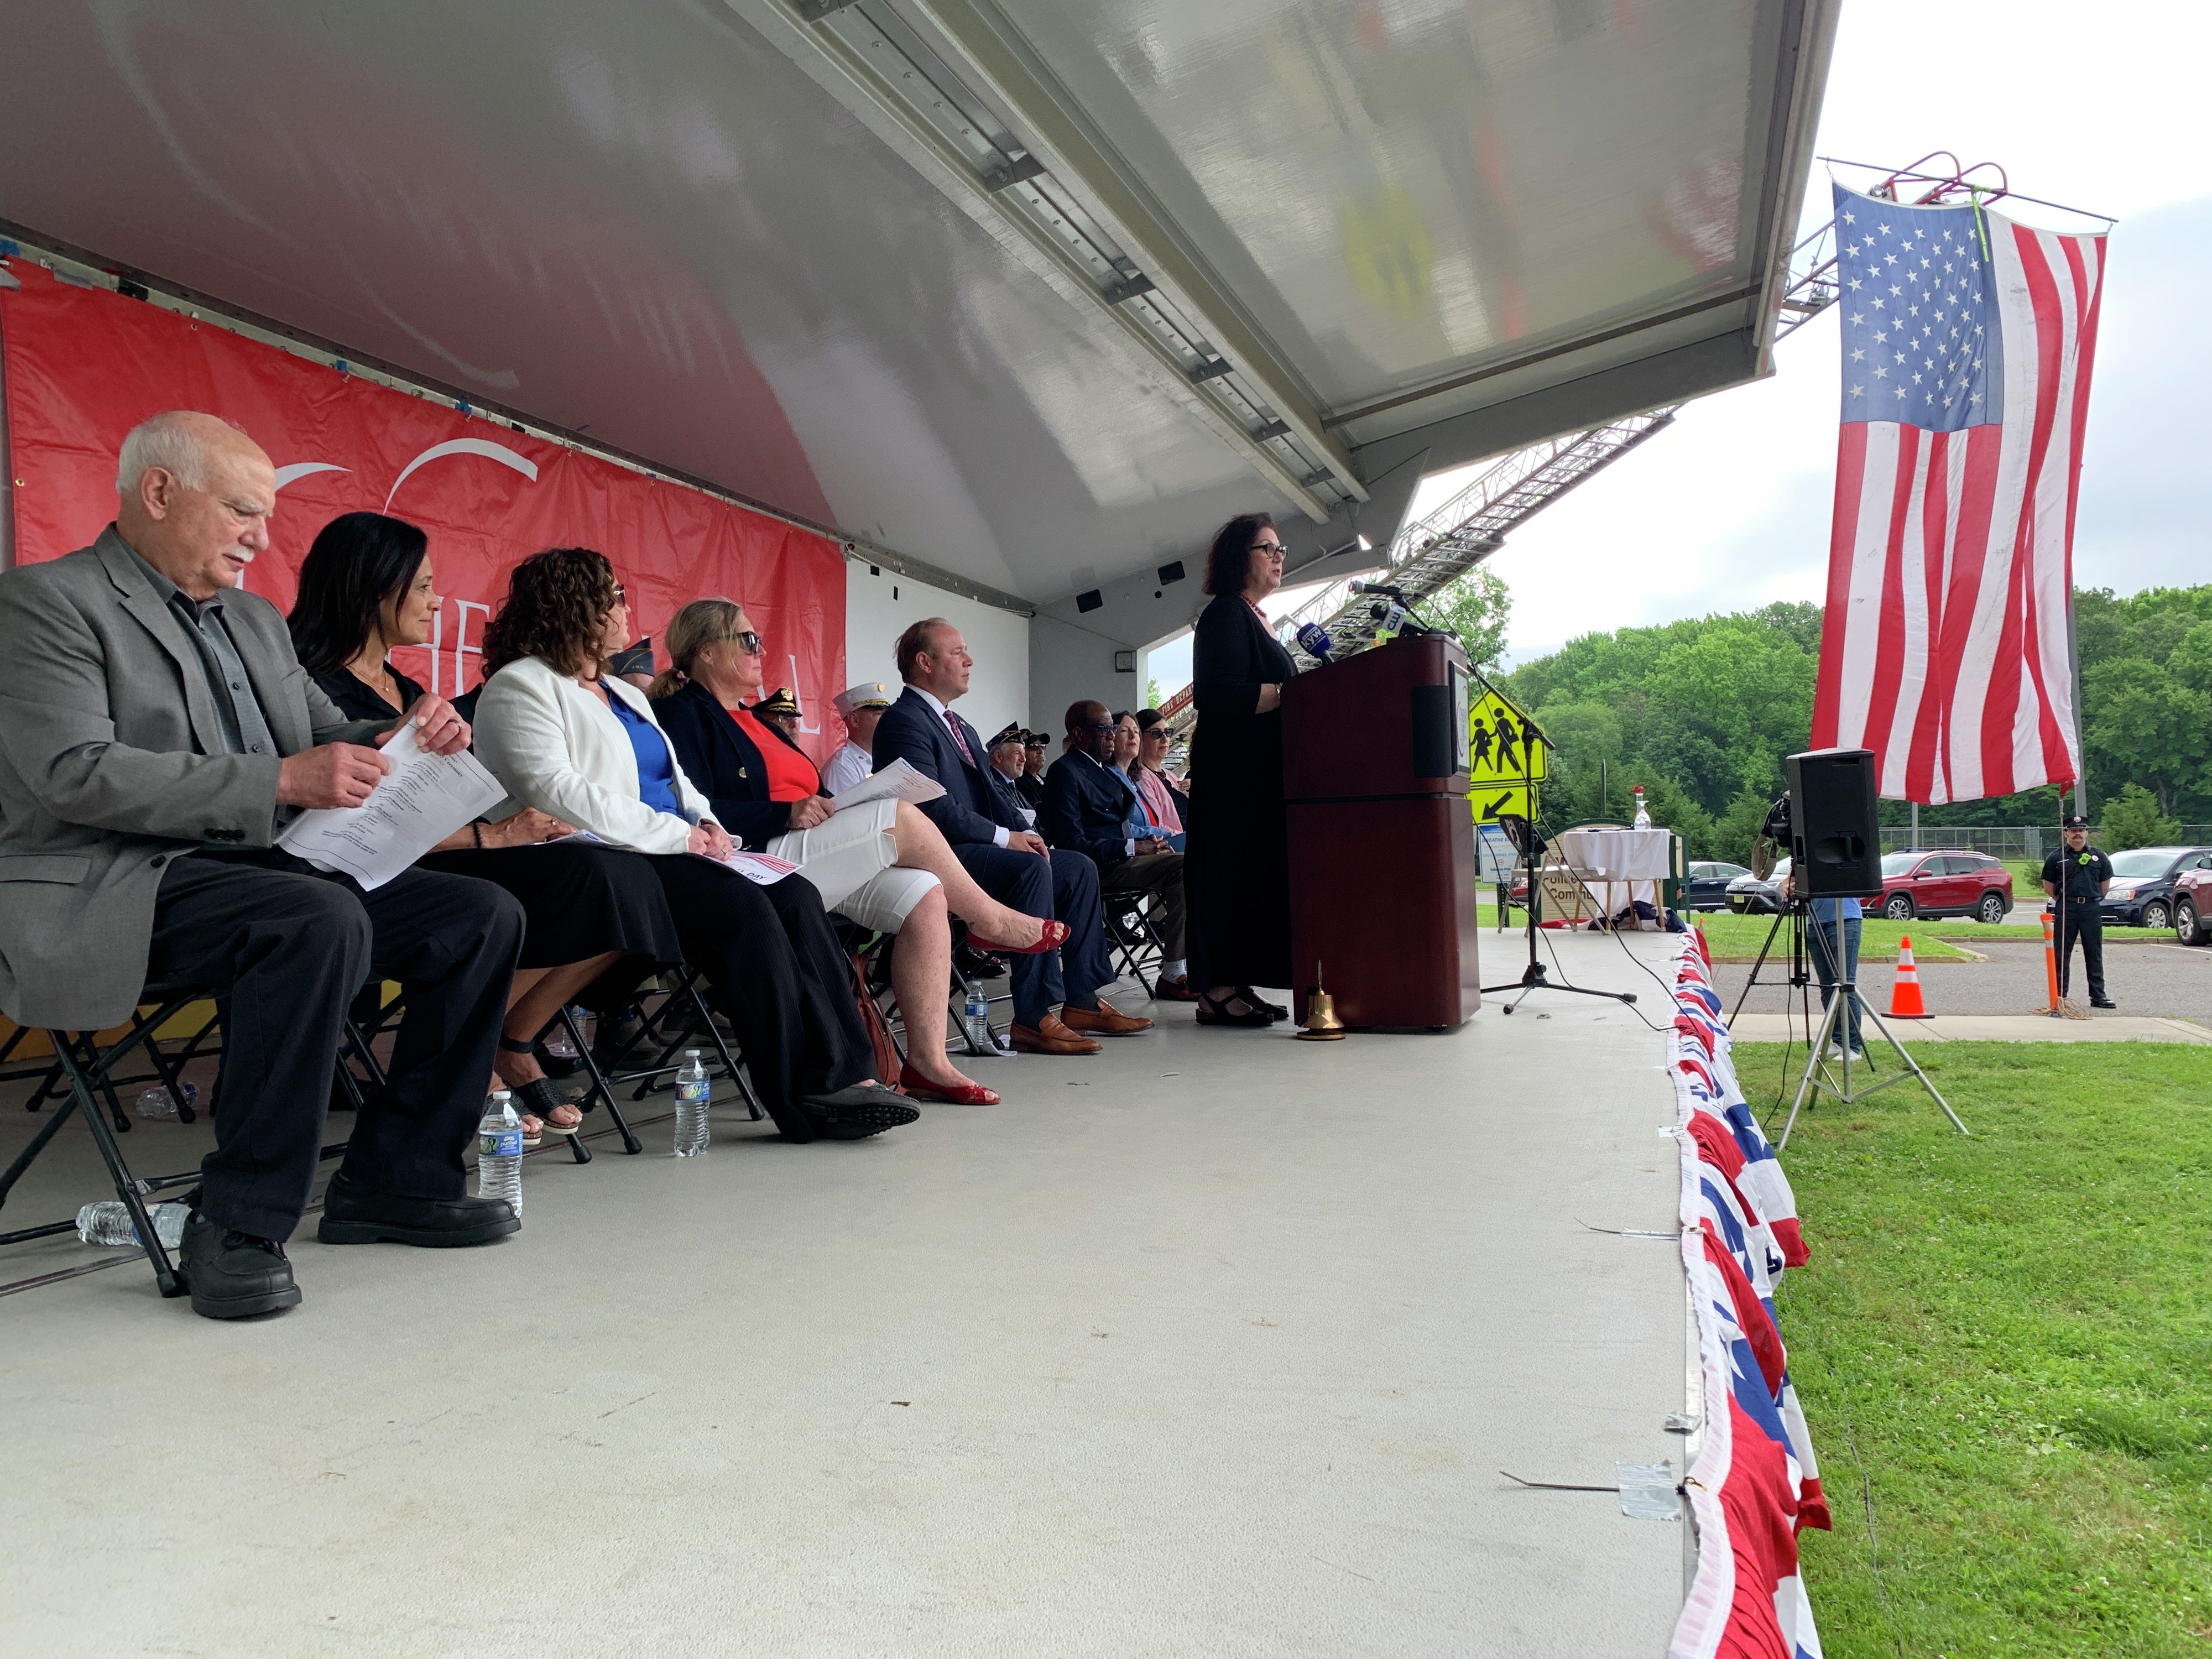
point(1104, 1020)
point(1048, 1036)
point(1174, 990)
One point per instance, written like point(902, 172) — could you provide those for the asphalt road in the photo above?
point(2143, 979)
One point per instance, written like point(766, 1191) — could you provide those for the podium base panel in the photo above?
point(1383, 909)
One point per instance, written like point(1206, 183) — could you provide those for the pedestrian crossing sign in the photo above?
point(1502, 747)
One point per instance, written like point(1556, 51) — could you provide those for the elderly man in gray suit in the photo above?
point(156, 731)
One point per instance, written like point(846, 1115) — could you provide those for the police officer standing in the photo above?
point(2074, 880)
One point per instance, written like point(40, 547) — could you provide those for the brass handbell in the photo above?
point(1322, 1023)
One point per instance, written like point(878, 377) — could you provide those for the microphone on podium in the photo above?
point(1313, 639)
point(1387, 592)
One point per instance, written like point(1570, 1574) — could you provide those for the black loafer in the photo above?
point(354, 1215)
point(857, 1112)
point(233, 1275)
point(2102, 1002)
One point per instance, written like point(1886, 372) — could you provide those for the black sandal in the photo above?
point(1253, 999)
point(1211, 1012)
point(538, 1098)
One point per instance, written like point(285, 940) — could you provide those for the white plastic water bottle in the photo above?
point(1643, 817)
point(109, 1223)
point(158, 1102)
point(975, 1022)
point(693, 1091)
point(499, 1151)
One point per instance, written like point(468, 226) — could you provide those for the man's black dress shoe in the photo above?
point(857, 1112)
point(354, 1215)
point(233, 1275)
point(2102, 1002)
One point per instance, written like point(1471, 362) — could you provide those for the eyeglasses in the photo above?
point(1275, 548)
point(1098, 725)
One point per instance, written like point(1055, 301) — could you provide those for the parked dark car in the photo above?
point(2141, 893)
point(1947, 884)
point(1706, 889)
point(2192, 905)
point(1757, 895)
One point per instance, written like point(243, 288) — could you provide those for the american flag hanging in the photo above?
point(1967, 342)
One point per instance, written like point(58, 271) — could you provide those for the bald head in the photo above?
point(1090, 729)
point(194, 498)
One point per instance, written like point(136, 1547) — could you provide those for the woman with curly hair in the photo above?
point(367, 588)
point(881, 864)
point(575, 741)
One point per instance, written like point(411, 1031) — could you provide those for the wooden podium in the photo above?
point(1382, 867)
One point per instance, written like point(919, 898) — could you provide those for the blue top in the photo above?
point(656, 772)
point(1835, 909)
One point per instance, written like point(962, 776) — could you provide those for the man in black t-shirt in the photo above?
point(2074, 880)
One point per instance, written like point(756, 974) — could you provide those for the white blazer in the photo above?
point(559, 749)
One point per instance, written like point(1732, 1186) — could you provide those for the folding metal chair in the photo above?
point(681, 1020)
point(87, 1066)
point(1131, 939)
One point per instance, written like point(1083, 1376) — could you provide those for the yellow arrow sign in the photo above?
point(1500, 747)
point(1489, 801)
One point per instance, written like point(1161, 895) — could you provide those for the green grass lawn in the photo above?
point(2004, 1348)
point(1734, 936)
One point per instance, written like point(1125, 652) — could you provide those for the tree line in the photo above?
point(1700, 713)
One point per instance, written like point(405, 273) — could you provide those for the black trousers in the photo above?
point(284, 947)
point(1065, 887)
point(776, 971)
point(2085, 922)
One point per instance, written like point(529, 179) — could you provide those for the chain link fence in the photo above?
point(2032, 841)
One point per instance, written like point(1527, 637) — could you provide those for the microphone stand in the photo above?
point(1533, 977)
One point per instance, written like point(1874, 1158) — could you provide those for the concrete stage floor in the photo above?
point(1213, 1344)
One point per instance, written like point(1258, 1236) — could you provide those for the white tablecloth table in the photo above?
point(1637, 860)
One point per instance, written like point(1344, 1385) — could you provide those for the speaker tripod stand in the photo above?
point(1820, 1077)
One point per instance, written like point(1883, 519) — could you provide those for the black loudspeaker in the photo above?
point(1835, 850)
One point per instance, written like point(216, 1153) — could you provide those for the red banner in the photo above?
point(84, 366)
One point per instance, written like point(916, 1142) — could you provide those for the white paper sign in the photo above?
point(897, 782)
point(423, 799)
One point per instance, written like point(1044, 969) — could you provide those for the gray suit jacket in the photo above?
point(111, 764)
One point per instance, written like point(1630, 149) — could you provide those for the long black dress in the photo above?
point(581, 902)
point(1236, 865)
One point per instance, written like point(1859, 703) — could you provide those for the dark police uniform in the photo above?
point(2080, 878)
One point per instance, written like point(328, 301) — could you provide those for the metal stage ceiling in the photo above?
point(1035, 292)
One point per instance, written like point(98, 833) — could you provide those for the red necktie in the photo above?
point(953, 725)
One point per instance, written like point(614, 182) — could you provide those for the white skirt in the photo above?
point(849, 860)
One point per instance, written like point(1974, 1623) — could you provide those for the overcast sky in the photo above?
point(2088, 107)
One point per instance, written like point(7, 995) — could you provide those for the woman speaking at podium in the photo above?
point(1236, 869)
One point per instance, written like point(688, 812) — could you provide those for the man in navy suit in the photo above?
point(1091, 806)
point(983, 820)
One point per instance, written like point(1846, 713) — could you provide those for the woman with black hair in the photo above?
point(1236, 869)
point(571, 739)
point(366, 589)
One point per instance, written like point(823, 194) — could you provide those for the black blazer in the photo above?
point(723, 764)
point(976, 804)
point(1085, 809)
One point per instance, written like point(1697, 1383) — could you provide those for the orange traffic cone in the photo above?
point(1905, 1001)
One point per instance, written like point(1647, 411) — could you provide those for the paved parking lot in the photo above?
point(2143, 978)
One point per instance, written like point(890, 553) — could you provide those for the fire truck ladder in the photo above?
point(1432, 552)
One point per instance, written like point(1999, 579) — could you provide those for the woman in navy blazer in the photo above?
point(1236, 869)
point(881, 864)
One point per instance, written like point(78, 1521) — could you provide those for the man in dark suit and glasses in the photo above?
point(981, 816)
point(161, 733)
point(1092, 806)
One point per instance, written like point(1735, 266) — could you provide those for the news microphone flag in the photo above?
point(1968, 343)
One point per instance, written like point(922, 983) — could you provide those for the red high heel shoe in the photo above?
point(966, 1094)
point(1055, 935)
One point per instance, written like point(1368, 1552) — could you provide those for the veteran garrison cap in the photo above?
point(1012, 734)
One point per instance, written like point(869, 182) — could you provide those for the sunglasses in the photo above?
point(622, 596)
point(750, 641)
